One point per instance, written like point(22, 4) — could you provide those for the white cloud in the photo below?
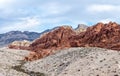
point(23, 24)
point(106, 20)
point(7, 8)
point(54, 8)
point(97, 8)
point(6, 3)
point(55, 12)
point(53, 20)
point(2, 2)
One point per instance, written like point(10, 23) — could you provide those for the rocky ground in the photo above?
point(10, 58)
point(78, 62)
point(100, 62)
point(10, 62)
point(68, 62)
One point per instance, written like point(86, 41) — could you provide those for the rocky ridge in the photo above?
point(100, 35)
point(50, 42)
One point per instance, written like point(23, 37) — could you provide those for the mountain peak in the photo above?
point(112, 24)
point(81, 28)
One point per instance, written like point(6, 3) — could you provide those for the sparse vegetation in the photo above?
point(31, 73)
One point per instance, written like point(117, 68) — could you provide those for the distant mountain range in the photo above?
point(11, 36)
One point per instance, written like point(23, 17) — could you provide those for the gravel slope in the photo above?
point(10, 58)
point(78, 62)
point(96, 63)
point(55, 64)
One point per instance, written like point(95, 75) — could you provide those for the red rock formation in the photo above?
point(99, 35)
point(54, 40)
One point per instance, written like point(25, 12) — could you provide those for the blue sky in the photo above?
point(38, 15)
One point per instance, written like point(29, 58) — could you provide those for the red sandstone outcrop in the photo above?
point(100, 35)
point(54, 39)
point(49, 42)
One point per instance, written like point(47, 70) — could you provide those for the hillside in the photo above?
point(78, 62)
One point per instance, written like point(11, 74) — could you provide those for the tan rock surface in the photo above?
point(19, 44)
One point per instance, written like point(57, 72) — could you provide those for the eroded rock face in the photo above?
point(100, 35)
point(56, 38)
point(49, 42)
